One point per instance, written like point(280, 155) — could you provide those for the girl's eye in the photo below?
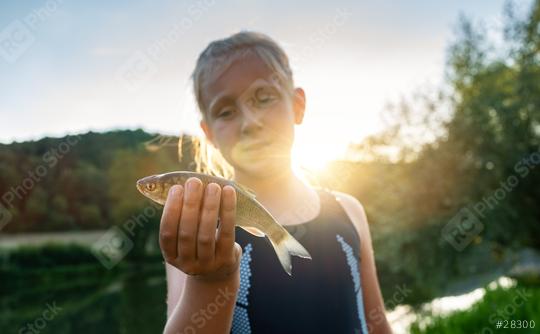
point(264, 96)
point(225, 113)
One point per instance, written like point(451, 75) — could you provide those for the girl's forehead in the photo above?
point(244, 71)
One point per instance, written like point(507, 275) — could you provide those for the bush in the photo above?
point(47, 256)
point(510, 305)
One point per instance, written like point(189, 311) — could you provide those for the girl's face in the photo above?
point(250, 117)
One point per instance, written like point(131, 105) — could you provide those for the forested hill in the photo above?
point(78, 182)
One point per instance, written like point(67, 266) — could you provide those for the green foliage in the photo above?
point(47, 256)
point(78, 183)
point(456, 148)
point(513, 306)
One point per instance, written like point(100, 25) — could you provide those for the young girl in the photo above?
point(222, 280)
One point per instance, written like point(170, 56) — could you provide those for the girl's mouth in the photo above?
point(254, 145)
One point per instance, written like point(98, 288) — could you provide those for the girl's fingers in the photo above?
point(168, 227)
point(189, 221)
point(206, 237)
point(227, 214)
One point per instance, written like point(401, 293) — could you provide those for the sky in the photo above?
point(71, 66)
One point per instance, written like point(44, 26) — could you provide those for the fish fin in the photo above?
point(295, 248)
point(253, 230)
point(250, 192)
point(285, 248)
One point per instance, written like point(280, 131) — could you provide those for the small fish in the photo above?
point(250, 214)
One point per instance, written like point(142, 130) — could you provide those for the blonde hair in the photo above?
point(214, 60)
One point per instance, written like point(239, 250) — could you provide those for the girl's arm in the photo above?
point(202, 307)
point(373, 301)
point(202, 265)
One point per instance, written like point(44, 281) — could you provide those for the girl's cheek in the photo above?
point(279, 118)
point(225, 137)
point(222, 130)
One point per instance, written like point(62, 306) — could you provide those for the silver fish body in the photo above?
point(250, 214)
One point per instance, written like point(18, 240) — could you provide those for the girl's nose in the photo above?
point(250, 120)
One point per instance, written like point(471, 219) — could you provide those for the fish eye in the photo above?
point(150, 186)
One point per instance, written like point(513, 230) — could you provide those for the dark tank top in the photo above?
point(323, 295)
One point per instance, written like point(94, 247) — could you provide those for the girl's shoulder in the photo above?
point(355, 211)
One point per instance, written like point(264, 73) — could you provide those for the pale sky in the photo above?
point(69, 67)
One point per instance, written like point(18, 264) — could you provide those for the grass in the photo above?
point(513, 306)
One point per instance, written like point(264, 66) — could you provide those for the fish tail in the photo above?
point(287, 246)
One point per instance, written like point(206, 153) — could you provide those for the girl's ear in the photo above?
point(299, 105)
point(207, 131)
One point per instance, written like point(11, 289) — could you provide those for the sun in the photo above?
point(314, 150)
point(338, 112)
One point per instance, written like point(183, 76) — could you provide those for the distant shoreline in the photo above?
point(38, 239)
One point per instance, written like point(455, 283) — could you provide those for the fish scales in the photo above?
point(250, 214)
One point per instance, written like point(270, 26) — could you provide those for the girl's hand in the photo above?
point(187, 233)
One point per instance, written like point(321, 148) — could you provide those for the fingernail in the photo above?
point(193, 185)
point(228, 186)
point(176, 190)
point(212, 189)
